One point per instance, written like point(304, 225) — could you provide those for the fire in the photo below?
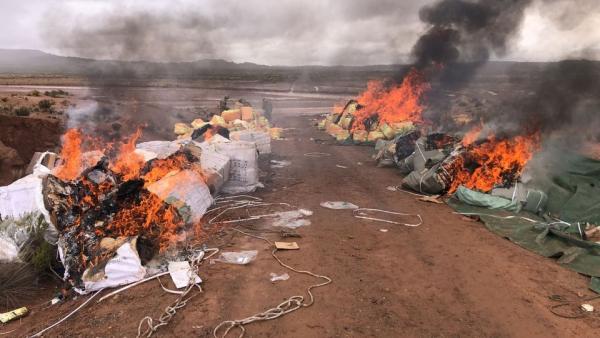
point(472, 135)
point(398, 104)
point(128, 163)
point(492, 163)
point(71, 154)
point(139, 213)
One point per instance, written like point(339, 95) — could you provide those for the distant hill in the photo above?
point(26, 61)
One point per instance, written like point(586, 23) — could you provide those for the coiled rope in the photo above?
point(180, 302)
point(289, 305)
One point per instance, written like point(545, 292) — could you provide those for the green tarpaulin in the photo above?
point(573, 188)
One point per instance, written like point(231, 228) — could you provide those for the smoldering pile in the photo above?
point(100, 208)
point(115, 209)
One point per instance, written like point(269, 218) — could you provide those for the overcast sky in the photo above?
point(274, 32)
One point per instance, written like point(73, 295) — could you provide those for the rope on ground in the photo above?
point(495, 216)
point(251, 217)
point(581, 314)
point(131, 285)
point(317, 154)
point(398, 188)
point(39, 334)
point(513, 217)
point(289, 305)
point(171, 310)
point(357, 214)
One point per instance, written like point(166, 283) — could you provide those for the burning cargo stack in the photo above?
point(112, 208)
point(391, 118)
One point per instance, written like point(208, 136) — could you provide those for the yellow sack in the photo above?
point(247, 113)
point(182, 128)
point(217, 120)
point(360, 136)
point(374, 136)
point(403, 128)
point(231, 115)
point(276, 133)
point(342, 135)
point(388, 131)
point(346, 121)
point(198, 123)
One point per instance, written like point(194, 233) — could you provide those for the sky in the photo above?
point(273, 32)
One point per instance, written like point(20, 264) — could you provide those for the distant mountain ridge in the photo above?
point(28, 61)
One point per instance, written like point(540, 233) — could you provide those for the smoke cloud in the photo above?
point(462, 35)
point(285, 32)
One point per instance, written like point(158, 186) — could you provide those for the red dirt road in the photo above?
point(449, 277)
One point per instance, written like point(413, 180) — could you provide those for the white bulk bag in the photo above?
point(262, 139)
point(187, 191)
point(243, 172)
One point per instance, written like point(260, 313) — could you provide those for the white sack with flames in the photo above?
point(186, 191)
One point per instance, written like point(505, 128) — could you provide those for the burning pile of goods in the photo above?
point(379, 113)
point(115, 210)
point(432, 163)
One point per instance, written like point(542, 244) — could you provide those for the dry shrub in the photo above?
point(18, 284)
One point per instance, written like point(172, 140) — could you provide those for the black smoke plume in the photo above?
point(462, 35)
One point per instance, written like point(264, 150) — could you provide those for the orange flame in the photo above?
point(71, 156)
point(472, 135)
point(128, 163)
point(141, 213)
point(398, 104)
point(160, 168)
point(495, 161)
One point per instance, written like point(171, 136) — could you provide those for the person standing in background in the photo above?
point(267, 107)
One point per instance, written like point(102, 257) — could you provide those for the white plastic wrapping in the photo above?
point(216, 167)
point(243, 172)
point(25, 196)
point(262, 139)
point(187, 191)
point(156, 149)
point(125, 268)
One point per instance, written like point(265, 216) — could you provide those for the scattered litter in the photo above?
point(341, 166)
point(292, 219)
point(317, 154)
point(431, 199)
point(55, 301)
point(587, 307)
point(275, 277)
point(383, 230)
point(392, 188)
point(363, 213)
point(289, 219)
point(287, 246)
point(240, 258)
point(338, 205)
point(280, 164)
point(492, 93)
point(14, 314)
point(182, 274)
point(289, 305)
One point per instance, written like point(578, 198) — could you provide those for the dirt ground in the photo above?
point(449, 277)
